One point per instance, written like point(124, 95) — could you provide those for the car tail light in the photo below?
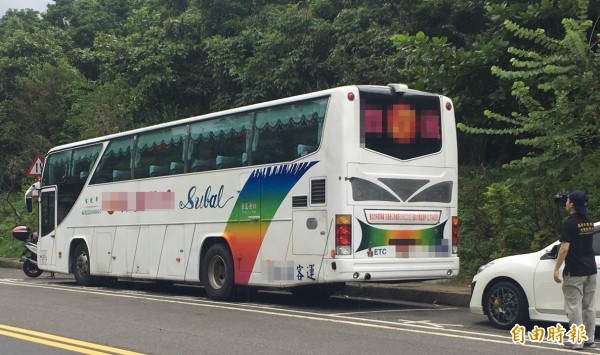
point(343, 234)
point(455, 223)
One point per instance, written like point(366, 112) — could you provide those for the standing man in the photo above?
point(579, 286)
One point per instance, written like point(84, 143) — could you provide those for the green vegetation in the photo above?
point(524, 77)
point(12, 213)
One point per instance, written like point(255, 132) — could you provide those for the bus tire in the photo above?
point(217, 273)
point(81, 266)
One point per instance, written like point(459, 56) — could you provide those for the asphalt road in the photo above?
point(54, 316)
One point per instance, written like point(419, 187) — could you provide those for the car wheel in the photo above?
point(505, 305)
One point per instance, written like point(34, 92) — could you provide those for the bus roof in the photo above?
point(373, 88)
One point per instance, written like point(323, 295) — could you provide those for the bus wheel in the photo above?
point(217, 273)
point(81, 266)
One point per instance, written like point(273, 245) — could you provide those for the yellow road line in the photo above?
point(55, 341)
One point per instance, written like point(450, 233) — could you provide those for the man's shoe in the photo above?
point(569, 345)
point(589, 345)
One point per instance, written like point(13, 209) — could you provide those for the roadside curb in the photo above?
point(10, 263)
point(413, 292)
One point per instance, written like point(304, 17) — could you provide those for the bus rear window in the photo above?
point(403, 127)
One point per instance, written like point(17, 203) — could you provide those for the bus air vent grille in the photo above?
point(300, 201)
point(317, 192)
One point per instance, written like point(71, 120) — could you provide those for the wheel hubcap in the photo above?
point(217, 272)
point(504, 306)
point(82, 264)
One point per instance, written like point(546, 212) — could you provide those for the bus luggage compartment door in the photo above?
point(309, 232)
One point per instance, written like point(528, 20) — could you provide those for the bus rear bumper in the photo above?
point(385, 269)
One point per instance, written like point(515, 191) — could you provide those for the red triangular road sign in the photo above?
point(35, 169)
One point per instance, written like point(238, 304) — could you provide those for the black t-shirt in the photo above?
point(578, 231)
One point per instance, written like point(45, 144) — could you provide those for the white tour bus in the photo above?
point(356, 183)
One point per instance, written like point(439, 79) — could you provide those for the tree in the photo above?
point(555, 82)
point(452, 56)
point(44, 98)
point(108, 105)
point(25, 42)
point(84, 19)
point(31, 91)
point(278, 54)
point(458, 43)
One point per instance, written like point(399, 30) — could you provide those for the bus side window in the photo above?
point(304, 149)
point(219, 143)
point(223, 162)
point(176, 168)
point(73, 167)
point(116, 157)
point(173, 160)
point(120, 175)
point(201, 154)
point(202, 165)
point(288, 132)
point(230, 148)
point(158, 170)
point(269, 148)
point(101, 174)
point(160, 152)
point(83, 161)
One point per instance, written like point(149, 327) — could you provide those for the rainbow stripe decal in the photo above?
point(409, 243)
point(261, 196)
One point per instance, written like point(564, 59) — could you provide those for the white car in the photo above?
point(519, 288)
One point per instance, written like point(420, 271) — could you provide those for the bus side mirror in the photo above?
point(28, 204)
point(32, 191)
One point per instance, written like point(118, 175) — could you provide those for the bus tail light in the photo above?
point(343, 234)
point(455, 223)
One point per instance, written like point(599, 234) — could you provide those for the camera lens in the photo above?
point(561, 199)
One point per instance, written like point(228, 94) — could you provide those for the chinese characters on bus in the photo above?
point(309, 273)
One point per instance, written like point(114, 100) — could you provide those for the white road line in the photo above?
point(394, 310)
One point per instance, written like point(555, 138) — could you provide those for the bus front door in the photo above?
point(47, 227)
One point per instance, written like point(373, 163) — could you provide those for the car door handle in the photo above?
point(254, 218)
